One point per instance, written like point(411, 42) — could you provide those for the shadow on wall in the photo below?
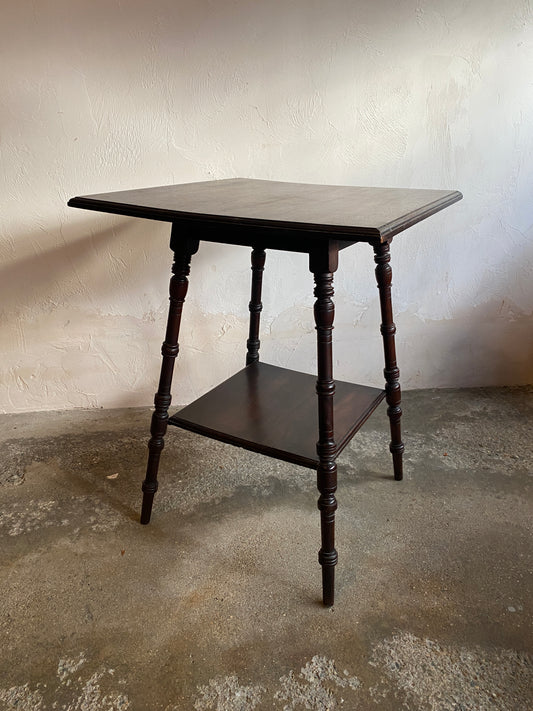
point(57, 302)
point(81, 269)
point(488, 341)
point(84, 319)
point(499, 337)
point(490, 345)
point(497, 332)
point(44, 278)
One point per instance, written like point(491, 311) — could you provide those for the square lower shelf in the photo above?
point(274, 411)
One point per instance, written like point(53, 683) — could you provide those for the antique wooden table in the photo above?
point(264, 408)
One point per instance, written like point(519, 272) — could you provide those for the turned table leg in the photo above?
point(255, 306)
point(391, 372)
point(324, 312)
point(178, 291)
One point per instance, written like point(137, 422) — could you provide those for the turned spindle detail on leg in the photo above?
point(324, 312)
point(391, 372)
point(178, 291)
point(255, 306)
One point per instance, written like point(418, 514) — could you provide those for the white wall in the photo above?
point(107, 95)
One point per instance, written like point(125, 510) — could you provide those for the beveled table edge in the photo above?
point(352, 233)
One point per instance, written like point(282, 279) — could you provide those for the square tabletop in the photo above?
point(350, 214)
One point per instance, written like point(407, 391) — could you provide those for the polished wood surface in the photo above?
point(273, 411)
point(352, 214)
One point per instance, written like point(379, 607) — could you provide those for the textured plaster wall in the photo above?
point(109, 95)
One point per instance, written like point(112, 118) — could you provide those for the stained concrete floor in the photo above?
point(215, 604)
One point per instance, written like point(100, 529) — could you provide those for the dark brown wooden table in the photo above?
point(264, 408)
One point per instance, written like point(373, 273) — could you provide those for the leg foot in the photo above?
point(328, 586)
point(327, 556)
point(146, 512)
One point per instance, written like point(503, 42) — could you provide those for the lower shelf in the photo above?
point(274, 411)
